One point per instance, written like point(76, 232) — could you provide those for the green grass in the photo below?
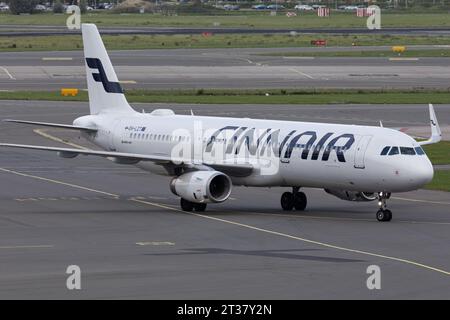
point(441, 181)
point(276, 96)
point(364, 53)
point(238, 19)
point(438, 153)
point(132, 42)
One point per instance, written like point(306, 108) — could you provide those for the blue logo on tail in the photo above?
point(111, 87)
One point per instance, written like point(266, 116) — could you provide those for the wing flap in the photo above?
point(70, 153)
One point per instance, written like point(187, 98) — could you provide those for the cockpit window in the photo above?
point(385, 151)
point(407, 151)
point(419, 151)
point(394, 151)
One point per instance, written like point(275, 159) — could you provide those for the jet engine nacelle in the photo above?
point(353, 195)
point(202, 186)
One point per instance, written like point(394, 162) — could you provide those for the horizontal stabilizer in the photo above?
point(53, 125)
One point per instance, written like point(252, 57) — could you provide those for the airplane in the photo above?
point(207, 156)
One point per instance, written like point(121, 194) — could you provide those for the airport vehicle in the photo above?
point(303, 7)
point(206, 156)
point(259, 7)
point(275, 7)
point(231, 7)
point(351, 8)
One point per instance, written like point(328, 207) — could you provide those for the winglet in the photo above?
point(436, 134)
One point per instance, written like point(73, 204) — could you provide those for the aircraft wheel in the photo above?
point(186, 205)
point(200, 207)
point(384, 215)
point(300, 201)
point(388, 215)
point(287, 201)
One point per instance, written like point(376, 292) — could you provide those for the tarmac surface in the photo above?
point(123, 228)
point(46, 30)
point(226, 68)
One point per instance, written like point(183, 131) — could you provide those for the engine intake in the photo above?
point(352, 195)
point(202, 186)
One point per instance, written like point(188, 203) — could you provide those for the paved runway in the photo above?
point(123, 227)
point(224, 68)
point(45, 30)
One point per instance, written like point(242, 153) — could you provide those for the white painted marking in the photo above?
point(156, 243)
point(27, 247)
point(301, 73)
point(42, 132)
point(8, 73)
point(423, 201)
point(335, 218)
point(156, 198)
point(57, 59)
point(299, 58)
point(318, 243)
point(246, 60)
point(128, 82)
point(403, 59)
point(323, 244)
point(59, 182)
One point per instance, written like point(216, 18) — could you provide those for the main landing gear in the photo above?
point(383, 214)
point(294, 199)
point(189, 206)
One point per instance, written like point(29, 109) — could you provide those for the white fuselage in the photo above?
point(284, 153)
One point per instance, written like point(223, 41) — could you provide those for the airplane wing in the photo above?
point(233, 169)
point(53, 125)
point(436, 134)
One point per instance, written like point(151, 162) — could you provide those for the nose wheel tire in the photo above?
point(384, 215)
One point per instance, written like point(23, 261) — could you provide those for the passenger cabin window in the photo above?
point(419, 151)
point(394, 151)
point(407, 151)
point(385, 151)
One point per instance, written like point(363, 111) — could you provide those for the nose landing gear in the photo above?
point(383, 214)
point(294, 199)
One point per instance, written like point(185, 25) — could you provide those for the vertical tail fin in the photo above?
point(105, 92)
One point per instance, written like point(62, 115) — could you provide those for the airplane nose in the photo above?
point(423, 173)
